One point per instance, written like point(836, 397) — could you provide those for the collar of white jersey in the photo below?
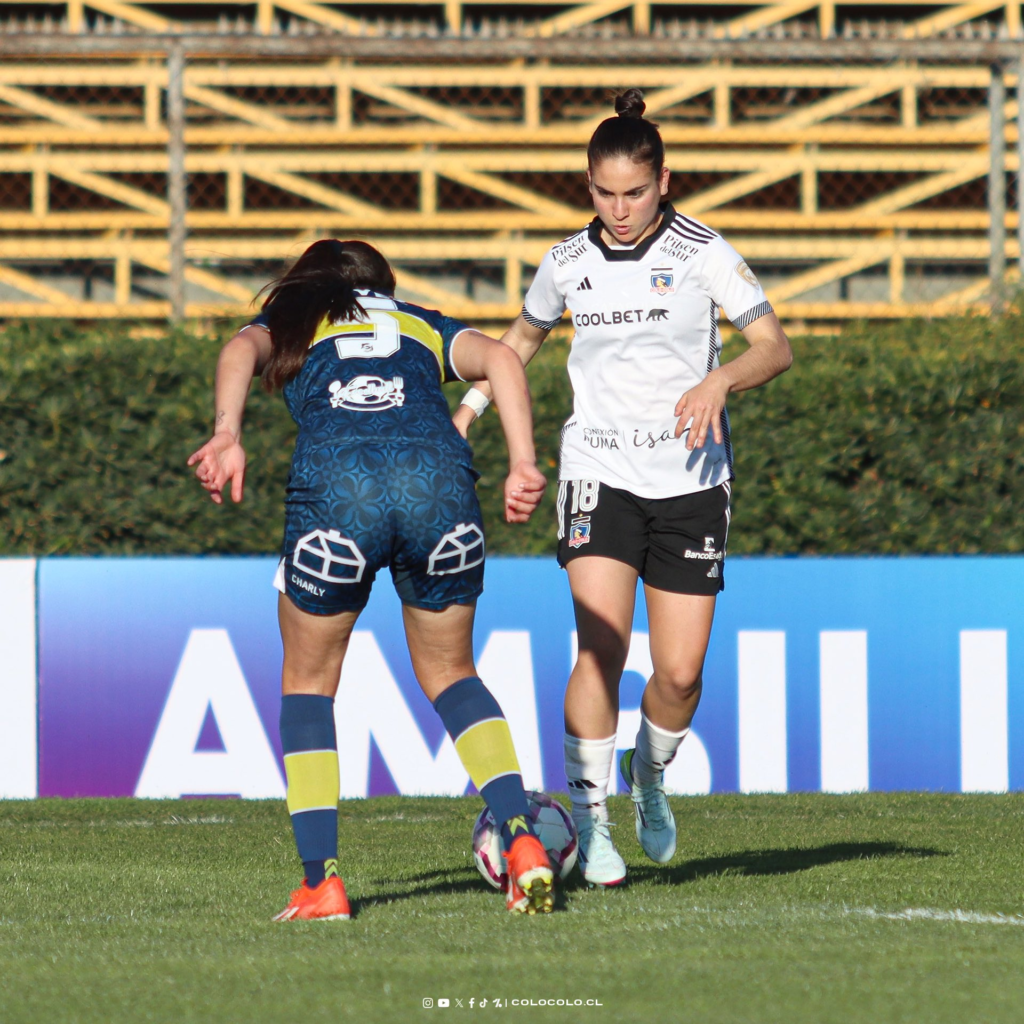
point(637, 252)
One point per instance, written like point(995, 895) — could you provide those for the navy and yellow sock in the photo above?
point(475, 722)
point(311, 765)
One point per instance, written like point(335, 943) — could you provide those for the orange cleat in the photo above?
point(327, 902)
point(530, 878)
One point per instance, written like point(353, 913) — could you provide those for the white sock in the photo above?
point(655, 750)
point(588, 767)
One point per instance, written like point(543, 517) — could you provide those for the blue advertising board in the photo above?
point(160, 677)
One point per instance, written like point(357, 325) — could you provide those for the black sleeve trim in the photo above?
point(760, 310)
point(542, 325)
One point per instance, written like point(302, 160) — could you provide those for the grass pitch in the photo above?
point(798, 908)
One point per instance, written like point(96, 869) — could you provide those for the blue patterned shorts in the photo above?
point(352, 509)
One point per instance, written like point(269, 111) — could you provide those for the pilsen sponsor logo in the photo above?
point(675, 248)
point(564, 255)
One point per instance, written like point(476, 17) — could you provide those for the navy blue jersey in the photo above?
point(377, 379)
point(380, 476)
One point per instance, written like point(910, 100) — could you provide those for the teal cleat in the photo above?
point(655, 825)
point(598, 860)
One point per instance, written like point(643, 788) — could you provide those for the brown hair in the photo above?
point(321, 282)
point(628, 134)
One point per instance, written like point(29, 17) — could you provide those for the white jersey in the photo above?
point(646, 322)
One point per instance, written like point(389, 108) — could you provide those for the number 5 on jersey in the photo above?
point(377, 339)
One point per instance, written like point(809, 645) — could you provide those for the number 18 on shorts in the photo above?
point(675, 544)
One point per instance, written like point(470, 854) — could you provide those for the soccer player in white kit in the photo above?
point(646, 461)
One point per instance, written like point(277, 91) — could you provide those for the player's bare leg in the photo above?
point(441, 647)
point(604, 595)
point(314, 648)
point(680, 628)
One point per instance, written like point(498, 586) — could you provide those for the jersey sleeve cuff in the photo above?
point(541, 325)
point(451, 351)
point(746, 319)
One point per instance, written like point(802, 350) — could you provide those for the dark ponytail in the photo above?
point(628, 134)
point(321, 283)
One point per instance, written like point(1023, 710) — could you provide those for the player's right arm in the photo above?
point(525, 340)
point(222, 459)
point(482, 357)
point(542, 309)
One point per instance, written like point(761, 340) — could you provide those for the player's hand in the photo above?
point(220, 461)
point(700, 409)
point(463, 418)
point(524, 487)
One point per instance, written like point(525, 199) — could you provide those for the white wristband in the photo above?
point(476, 400)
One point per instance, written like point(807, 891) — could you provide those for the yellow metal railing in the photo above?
point(855, 190)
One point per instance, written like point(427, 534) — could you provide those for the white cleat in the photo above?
point(655, 824)
point(598, 860)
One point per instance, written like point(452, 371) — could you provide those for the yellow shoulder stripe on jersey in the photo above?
point(325, 329)
point(419, 330)
point(409, 326)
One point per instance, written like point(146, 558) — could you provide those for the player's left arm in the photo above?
point(483, 358)
point(730, 283)
point(701, 407)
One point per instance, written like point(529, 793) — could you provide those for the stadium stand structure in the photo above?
point(863, 175)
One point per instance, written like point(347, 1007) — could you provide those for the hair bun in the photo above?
point(630, 104)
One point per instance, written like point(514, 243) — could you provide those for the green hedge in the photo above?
point(901, 439)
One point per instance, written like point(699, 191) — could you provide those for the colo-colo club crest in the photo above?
point(579, 532)
point(661, 282)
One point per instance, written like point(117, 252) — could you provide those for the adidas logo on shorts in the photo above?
point(713, 573)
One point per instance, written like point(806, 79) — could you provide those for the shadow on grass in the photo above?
point(748, 862)
point(448, 883)
point(776, 862)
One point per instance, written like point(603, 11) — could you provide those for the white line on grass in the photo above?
point(739, 918)
point(928, 914)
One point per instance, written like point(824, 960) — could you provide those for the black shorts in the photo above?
point(675, 544)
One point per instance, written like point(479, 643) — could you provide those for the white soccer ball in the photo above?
point(554, 828)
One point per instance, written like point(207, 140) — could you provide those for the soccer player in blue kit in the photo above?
point(379, 477)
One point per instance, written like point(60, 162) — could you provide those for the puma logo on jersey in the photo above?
point(584, 285)
point(657, 314)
